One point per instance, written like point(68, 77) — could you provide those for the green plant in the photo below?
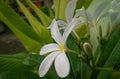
point(87, 30)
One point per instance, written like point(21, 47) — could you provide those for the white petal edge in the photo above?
point(62, 23)
point(55, 32)
point(46, 63)
point(62, 65)
point(49, 48)
point(52, 23)
point(70, 27)
point(70, 10)
point(79, 13)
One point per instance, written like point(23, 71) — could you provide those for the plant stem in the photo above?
point(103, 68)
point(76, 35)
point(72, 51)
point(98, 56)
point(77, 53)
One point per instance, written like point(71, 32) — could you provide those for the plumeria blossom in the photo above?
point(79, 15)
point(70, 8)
point(56, 51)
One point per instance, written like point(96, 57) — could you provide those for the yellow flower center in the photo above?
point(62, 47)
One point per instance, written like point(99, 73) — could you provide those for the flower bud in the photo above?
point(88, 49)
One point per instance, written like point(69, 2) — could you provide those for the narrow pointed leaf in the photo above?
point(37, 26)
point(43, 17)
point(60, 7)
point(30, 43)
point(13, 62)
point(111, 55)
point(79, 4)
point(17, 21)
point(56, 5)
point(51, 13)
point(12, 67)
point(85, 3)
point(31, 40)
point(74, 59)
point(113, 59)
point(111, 45)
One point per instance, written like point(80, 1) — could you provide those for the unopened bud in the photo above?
point(88, 49)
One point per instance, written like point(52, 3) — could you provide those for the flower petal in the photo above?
point(70, 27)
point(49, 48)
point(62, 23)
point(79, 13)
point(47, 62)
point(70, 10)
point(62, 65)
point(55, 32)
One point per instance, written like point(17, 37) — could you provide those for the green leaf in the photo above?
point(37, 26)
point(51, 13)
point(14, 75)
point(28, 42)
point(111, 55)
point(6, 75)
point(79, 4)
point(84, 3)
point(74, 59)
point(60, 7)
point(33, 60)
point(87, 3)
point(114, 40)
point(13, 65)
point(31, 40)
point(18, 22)
point(22, 66)
point(85, 71)
point(43, 17)
point(112, 60)
point(116, 75)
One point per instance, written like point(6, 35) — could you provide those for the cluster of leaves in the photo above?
point(104, 36)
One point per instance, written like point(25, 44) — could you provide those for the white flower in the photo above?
point(68, 14)
point(70, 8)
point(57, 51)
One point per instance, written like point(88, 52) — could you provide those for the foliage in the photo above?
point(100, 28)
